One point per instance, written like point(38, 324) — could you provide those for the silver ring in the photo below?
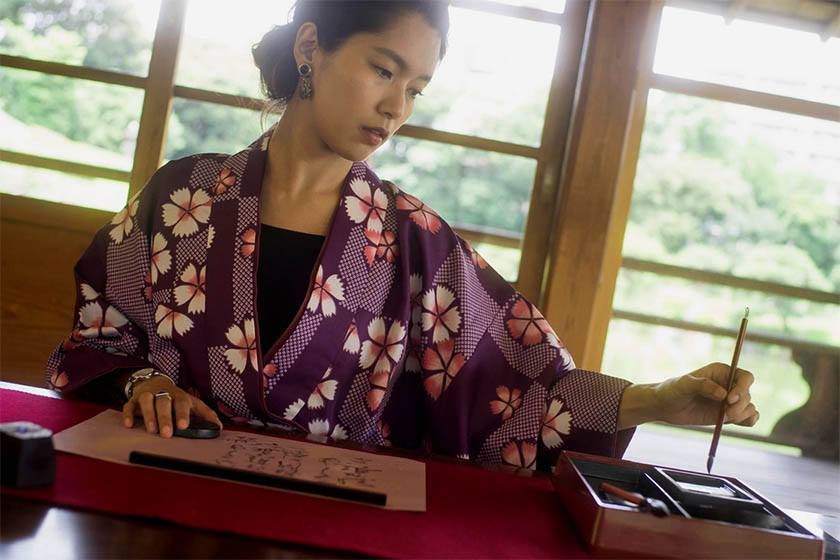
point(163, 394)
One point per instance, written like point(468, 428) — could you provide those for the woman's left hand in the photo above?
point(691, 399)
point(694, 398)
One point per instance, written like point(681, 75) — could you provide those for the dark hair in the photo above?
point(336, 21)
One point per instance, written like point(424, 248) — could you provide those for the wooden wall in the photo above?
point(40, 243)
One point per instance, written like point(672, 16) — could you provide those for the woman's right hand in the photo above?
point(157, 412)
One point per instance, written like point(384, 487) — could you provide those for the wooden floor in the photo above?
point(791, 482)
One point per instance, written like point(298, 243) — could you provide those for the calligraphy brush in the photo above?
point(742, 333)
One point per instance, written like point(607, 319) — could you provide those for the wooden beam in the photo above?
point(70, 71)
point(832, 27)
point(747, 97)
point(63, 166)
point(519, 12)
point(553, 148)
point(467, 141)
point(587, 218)
point(157, 102)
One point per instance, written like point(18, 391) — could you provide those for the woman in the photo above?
point(287, 284)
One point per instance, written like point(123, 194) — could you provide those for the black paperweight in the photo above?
point(27, 456)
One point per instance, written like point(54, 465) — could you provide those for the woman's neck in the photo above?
point(299, 164)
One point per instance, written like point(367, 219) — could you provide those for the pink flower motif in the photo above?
point(507, 403)
point(192, 290)
point(371, 249)
point(527, 324)
point(168, 320)
point(519, 454)
point(384, 431)
point(555, 424)
point(72, 341)
point(96, 325)
point(58, 380)
point(124, 222)
point(147, 286)
point(351, 339)
point(366, 204)
point(477, 259)
point(225, 181)
point(324, 390)
point(378, 387)
point(244, 341)
point(187, 211)
point(444, 364)
point(249, 238)
point(270, 370)
point(161, 258)
point(388, 248)
point(421, 214)
point(385, 346)
point(324, 293)
point(440, 314)
point(229, 413)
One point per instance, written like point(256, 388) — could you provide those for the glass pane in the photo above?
point(216, 46)
point(556, 6)
point(485, 86)
point(738, 190)
point(467, 187)
point(65, 118)
point(748, 55)
point(54, 186)
point(105, 34)
point(198, 127)
point(722, 306)
point(647, 354)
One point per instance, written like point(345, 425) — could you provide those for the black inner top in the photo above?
point(286, 261)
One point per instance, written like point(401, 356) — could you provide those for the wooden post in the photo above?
point(157, 101)
point(597, 182)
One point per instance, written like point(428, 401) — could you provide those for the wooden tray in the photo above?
point(690, 531)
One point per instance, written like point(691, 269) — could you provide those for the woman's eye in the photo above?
point(382, 72)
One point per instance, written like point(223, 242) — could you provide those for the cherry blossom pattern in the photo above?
point(477, 259)
point(74, 340)
point(58, 380)
point(382, 352)
point(388, 248)
point(371, 248)
point(161, 257)
point(555, 424)
point(187, 211)
point(443, 363)
point(384, 431)
point(519, 454)
point(440, 314)
point(366, 204)
point(421, 214)
point(270, 370)
point(168, 320)
point(226, 180)
point(412, 360)
point(509, 400)
point(124, 222)
point(325, 292)
point(528, 326)
point(244, 341)
point(94, 324)
point(211, 235)
point(249, 239)
point(324, 390)
point(321, 428)
point(192, 291)
point(292, 410)
point(87, 291)
point(352, 345)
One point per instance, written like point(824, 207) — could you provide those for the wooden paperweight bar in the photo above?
point(709, 516)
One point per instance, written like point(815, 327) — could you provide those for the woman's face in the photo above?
point(371, 81)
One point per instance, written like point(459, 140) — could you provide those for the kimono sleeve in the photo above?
point(112, 310)
point(500, 385)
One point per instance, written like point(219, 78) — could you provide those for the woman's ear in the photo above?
point(306, 43)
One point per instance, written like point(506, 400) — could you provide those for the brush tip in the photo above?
point(709, 462)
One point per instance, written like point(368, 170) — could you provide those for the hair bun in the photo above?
point(274, 57)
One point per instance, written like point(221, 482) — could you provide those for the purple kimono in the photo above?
point(406, 337)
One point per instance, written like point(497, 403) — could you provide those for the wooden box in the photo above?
point(612, 527)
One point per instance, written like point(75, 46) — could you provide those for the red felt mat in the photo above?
point(471, 512)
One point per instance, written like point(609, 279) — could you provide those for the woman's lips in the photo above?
point(371, 137)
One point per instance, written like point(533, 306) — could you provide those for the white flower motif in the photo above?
point(293, 409)
point(211, 234)
point(244, 349)
point(366, 203)
point(324, 390)
point(192, 290)
point(351, 339)
point(161, 258)
point(168, 320)
point(124, 222)
point(90, 316)
point(381, 349)
point(88, 292)
point(324, 293)
point(440, 314)
point(187, 211)
point(555, 424)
